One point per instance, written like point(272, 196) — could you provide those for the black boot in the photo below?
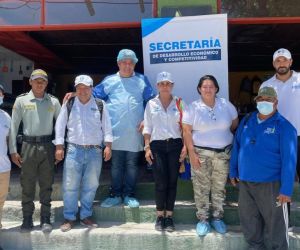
point(27, 224)
point(45, 224)
point(159, 224)
point(169, 224)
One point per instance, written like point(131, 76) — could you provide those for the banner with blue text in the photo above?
point(188, 48)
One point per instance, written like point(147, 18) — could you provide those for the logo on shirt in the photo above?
point(29, 107)
point(269, 130)
point(156, 109)
point(94, 109)
point(50, 109)
point(296, 86)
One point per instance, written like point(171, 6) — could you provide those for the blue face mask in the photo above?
point(265, 108)
point(1, 100)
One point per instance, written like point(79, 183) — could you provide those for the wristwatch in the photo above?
point(146, 146)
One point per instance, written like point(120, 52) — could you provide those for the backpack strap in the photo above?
point(69, 105)
point(99, 103)
point(247, 117)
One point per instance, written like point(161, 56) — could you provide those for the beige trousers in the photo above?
point(4, 183)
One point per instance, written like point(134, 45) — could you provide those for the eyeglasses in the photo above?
point(212, 114)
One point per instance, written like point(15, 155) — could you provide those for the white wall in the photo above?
point(13, 61)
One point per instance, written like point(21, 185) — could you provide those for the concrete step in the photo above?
point(131, 236)
point(184, 212)
point(144, 191)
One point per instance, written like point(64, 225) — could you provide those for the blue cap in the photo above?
point(127, 54)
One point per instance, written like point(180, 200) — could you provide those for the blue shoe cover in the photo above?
point(203, 228)
point(131, 202)
point(219, 226)
point(111, 201)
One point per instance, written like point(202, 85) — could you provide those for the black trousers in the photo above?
point(261, 216)
point(165, 170)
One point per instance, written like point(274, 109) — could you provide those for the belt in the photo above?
point(85, 146)
point(37, 139)
point(217, 150)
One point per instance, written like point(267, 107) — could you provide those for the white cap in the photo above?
point(282, 52)
point(85, 80)
point(164, 76)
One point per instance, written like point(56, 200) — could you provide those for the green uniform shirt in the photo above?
point(37, 116)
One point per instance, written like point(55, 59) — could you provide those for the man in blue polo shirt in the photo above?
point(263, 162)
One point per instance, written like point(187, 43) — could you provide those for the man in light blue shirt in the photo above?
point(125, 94)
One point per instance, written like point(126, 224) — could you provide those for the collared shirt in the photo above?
point(84, 125)
point(4, 131)
point(265, 152)
point(288, 97)
point(125, 98)
point(211, 126)
point(162, 124)
point(37, 116)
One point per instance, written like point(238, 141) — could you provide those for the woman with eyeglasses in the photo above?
point(208, 125)
point(164, 148)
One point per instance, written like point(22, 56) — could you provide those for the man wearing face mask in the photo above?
point(4, 161)
point(286, 82)
point(264, 166)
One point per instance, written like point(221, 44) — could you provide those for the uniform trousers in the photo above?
point(37, 165)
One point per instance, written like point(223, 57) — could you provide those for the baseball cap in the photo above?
point(39, 73)
point(282, 52)
point(127, 54)
point(266, 91)
point(85, 80)
point(1, 88)
point(164, 76)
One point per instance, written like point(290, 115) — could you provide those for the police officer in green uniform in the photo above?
point(37, 110)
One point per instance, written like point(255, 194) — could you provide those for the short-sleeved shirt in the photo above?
point(211, 126)
point(37, 116)
point(125, 98)
point(4, 132)
point(162, 124)
point(288, 97)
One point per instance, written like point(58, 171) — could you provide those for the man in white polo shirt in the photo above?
point(88, 126)
point(286, 82)
point(4, 161)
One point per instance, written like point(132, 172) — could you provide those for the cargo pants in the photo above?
point(208, 181)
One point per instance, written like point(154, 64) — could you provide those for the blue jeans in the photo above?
point(124, 171)
point(82, 169)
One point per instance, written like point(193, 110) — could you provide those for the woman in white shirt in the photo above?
point(208, 126)
point(164, 147)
